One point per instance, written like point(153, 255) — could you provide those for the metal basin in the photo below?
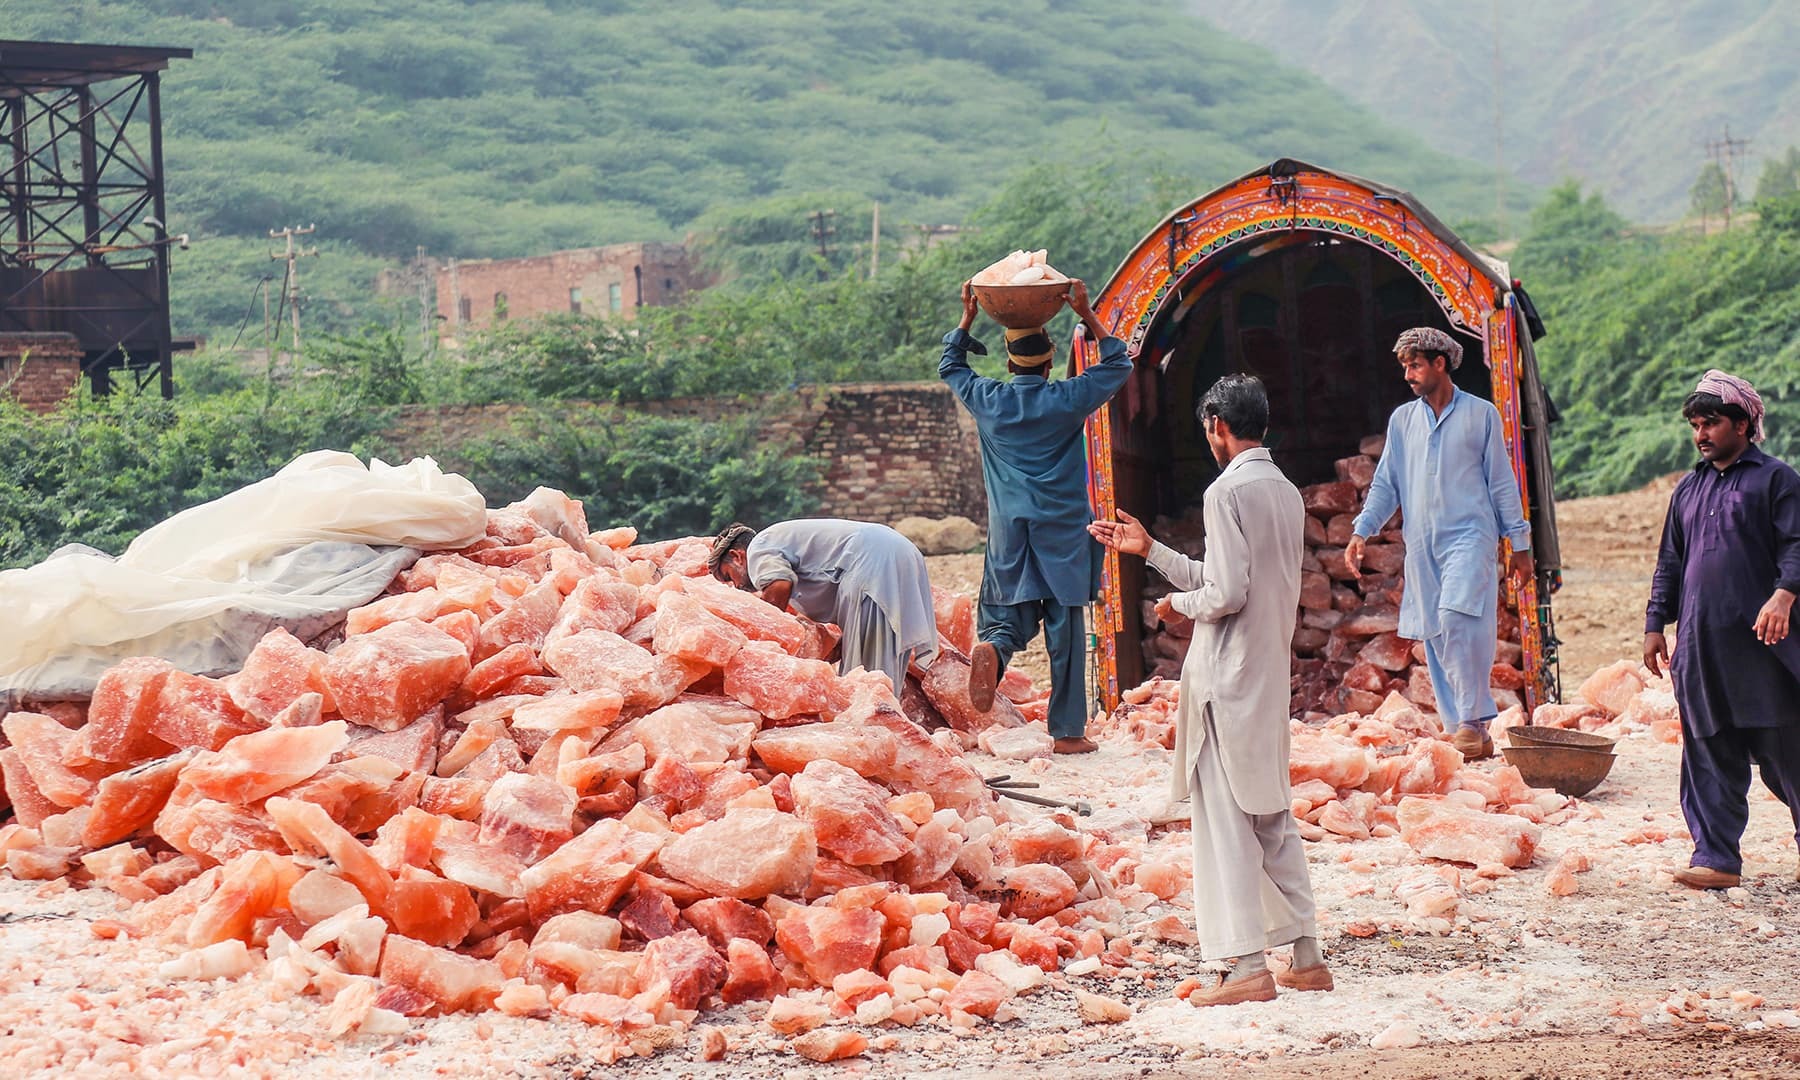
point(1022, 307)
point(1533, 735)
point(1570, 770)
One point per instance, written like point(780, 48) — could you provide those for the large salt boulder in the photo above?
point(749, 853)
point(1439, 829)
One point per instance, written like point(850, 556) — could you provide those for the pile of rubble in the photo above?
point(563, 772)
point(1347, 654)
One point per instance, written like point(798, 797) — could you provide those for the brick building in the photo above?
point(614, 280)
point(39, 369)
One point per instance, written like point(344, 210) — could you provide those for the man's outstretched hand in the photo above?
point(1126, 534)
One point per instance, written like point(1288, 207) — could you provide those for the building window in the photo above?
point(668, 284)
point(575, 300)
point(615, 297)
point(499, 307)
point(464, 309)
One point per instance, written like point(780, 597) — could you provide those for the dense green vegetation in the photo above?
point(484, 128)
point(1636, 318)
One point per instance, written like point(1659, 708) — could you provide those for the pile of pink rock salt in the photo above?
point(562, 772)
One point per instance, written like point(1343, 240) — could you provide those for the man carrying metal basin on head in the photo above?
point(1041, 566)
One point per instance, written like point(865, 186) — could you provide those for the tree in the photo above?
point(1711, 193)
point(1780, 176)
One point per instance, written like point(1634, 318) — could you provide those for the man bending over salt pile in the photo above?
point(866, 578)
point(1251, 889)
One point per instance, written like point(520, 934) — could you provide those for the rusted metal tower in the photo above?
point(83, 235)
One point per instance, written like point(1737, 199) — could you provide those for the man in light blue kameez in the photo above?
point(1445, 467)
point(865, 578)
point(1041, 567)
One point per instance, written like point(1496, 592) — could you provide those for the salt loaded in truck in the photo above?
point(1305, 277)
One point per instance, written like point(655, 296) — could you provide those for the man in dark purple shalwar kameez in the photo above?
point(1726, 575)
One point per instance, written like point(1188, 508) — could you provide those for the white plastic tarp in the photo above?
point(300, 549)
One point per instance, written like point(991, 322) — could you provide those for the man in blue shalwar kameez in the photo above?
point(1042, 567)
point(1726, 575)
point(1446, 469)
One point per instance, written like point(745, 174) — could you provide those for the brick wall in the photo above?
point(891, 450)
point(595, 281)
point(39, 370)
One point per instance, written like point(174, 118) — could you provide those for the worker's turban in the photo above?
point(1735, 391)
point(1429, 339)
point(1029, 347)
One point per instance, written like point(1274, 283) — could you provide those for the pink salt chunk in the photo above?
point(1337, 762)
point(252, 885)
point(588, 712)
point(946, 686)
point(923, 765)
point(687, 733)
point(482, 868)
point(526, 620)
point(599, 660)
point(671, 779)
point(462, 586)
point(413, 747)
point(866, 752)
point(215, 831)
point(581, 928)
point(124, 704)
point(934, 852)
point(1431, 766)
point(757, 618)
point(504, 666)
point(389, 678)
point(828, 941)
point(1441, 830)
point(278, 670)
point(688, 964)
point(41, 743)
point(978, 994)
point(306, 827)
point(596, 604)
point(1038, 889)
point(650, 915)
point(261, 763)
point(685, 628)
point(589, 872)
point(464, 626)
point(751, 975)
point(527, 816)
point(128, 802)
point(1612, 687)
point(455, 982)
point(41, 862)
point(748, 853)
point(848, 814)
point(423, 605)
point(776, 684)
point(428, 908)
point(197, 711)
point(590, 774)
point(407, 839)
point(955, 617)
point(724, 919)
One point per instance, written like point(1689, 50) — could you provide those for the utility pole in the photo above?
point(292, 256)
point(1725, 151)
point(875, 241)
point(822, 231)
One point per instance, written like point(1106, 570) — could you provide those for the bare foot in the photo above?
point(1078, 745)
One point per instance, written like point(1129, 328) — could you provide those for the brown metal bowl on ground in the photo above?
point(1570, 770)
point(1535, 735)
point(1021, 307)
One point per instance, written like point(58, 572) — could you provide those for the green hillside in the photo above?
point(1621, 94)
point(475, 128)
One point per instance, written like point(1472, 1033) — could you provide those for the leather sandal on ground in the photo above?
point(1705, 877)
point(1473, 745)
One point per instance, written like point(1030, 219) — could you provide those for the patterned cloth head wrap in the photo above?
point(1028, 347)
point(1429, 339)
point(723, 544)
point(1735, 391)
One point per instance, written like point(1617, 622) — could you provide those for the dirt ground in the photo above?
point(1631, 976)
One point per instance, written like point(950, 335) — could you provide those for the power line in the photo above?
point(292, 256)
point(1725, 152)
point(262, 283)
point(822, 231)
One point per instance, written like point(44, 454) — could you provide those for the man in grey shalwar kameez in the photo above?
point(867, 579)
point(1251, 889)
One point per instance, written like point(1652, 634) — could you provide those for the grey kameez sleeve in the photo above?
point(1226, 584)
point(1182, 572)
